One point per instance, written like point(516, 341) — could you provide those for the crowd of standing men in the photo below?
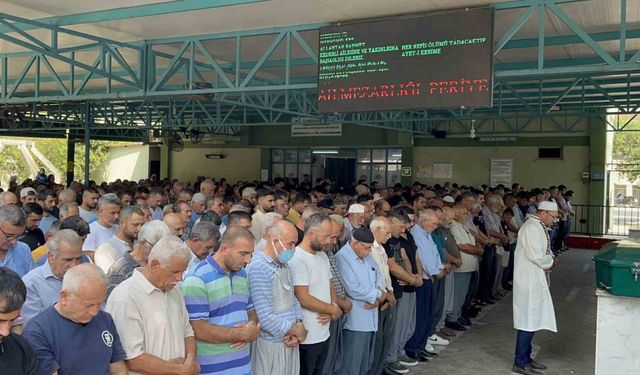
point(172, 278)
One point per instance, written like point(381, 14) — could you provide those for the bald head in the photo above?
point(282, 235)
point(8, 197)
point(66, 196)
point(175, 223)
point(85, 275)
point(83, 290)
point(281, 229)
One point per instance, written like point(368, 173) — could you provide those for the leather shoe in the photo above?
point(464, 321)
point(537, 365)
point(526, 370)
point(455, 326)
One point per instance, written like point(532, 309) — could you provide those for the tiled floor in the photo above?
point(487, 348)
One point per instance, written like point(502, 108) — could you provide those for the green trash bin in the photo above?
point(618, 268)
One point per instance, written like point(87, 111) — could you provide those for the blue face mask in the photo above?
point(285, 255)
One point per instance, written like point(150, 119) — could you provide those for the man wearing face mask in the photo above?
point(148, 309)
point(532, 303)
point(278, 309)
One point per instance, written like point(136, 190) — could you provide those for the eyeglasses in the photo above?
point(9, 237)
point(366, 246)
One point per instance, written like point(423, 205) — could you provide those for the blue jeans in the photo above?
point(523, 348)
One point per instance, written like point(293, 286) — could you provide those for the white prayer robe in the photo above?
point(532, 303)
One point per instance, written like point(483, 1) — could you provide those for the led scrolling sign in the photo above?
point(439, 60)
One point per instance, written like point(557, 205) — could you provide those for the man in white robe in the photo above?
point(532, 303)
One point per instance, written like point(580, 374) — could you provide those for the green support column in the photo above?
point(87, 142)
point(165, 160)
point(71, 158)
point(598, 217)
point(407, 162)
point(598, 167)
point(265, 160)
point(405, 140)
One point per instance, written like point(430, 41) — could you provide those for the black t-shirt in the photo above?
point(504, 227)
point(34, 238)
point(17, 357)
point(392, 248)
point(410, 248)
point(479, 222)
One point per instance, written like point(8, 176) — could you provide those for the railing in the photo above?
point(605, 220)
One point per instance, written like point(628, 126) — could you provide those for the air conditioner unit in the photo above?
point(215, 156)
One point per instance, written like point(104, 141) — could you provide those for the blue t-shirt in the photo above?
point(73, 348)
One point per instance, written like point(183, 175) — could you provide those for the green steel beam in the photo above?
point(513, 30)
point(31, 25)
point(564, 17)
point(560, 40)
point(541, 17)
point(146, 10)
point(529, 3)
point(623, 31)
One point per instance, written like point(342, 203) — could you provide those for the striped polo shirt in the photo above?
point(223, 299)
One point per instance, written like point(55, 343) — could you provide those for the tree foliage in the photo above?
point(626, 147)
point(12, 162)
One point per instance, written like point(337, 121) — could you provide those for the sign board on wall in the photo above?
point(501, 171)
point(406, 171)
point(316, 130)
point(443, 171)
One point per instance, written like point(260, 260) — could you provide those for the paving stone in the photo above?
point(487, 347)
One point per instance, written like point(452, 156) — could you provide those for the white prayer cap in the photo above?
point(548, 206)
point(356, 208)
point(448, 199)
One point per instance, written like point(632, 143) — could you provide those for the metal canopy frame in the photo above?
point(122, 90)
